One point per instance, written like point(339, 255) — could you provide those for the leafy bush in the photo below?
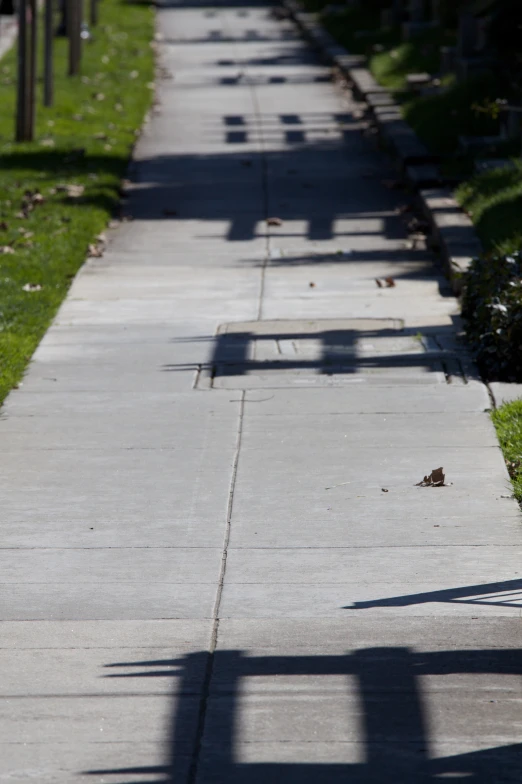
point(492, 307)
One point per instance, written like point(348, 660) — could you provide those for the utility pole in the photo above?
point(48, 54)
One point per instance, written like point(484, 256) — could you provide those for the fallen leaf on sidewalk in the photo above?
point(385, 283)
point(385, 490)
point(312, 284)
point(274, 221)
point(435, 479)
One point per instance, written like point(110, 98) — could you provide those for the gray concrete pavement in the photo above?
point(216, 565)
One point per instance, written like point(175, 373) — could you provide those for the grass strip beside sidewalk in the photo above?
point(508, 424)
point(58, 193)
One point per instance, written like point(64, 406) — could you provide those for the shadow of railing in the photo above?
point(384, 688)
point(507, 593)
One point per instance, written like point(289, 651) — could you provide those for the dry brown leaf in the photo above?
point(390, 283)
point(435, 479)
point(378, 282)
point(385, 490)
point(274, 221)
point(312, 284)
point(95, 251)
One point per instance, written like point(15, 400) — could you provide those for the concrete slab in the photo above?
point(122, 485)
point(113, 565)
point(60, 763)
point(73, 601)
point(437, 398)
point(505, 393)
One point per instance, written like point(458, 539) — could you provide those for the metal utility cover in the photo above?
point(325, 352)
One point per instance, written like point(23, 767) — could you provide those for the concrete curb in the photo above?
point(453, 232)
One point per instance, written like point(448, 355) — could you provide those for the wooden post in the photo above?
point(74, 32)
point(33, 39)
point(48, 54)
point(21, 96)
point(26, 71)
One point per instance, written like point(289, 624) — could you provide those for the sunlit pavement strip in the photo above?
point(216, 565)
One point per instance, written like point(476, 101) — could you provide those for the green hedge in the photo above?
point(492, 308)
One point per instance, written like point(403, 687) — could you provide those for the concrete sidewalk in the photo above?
point(216, 565)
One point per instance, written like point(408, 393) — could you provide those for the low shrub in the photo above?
point(492, 309)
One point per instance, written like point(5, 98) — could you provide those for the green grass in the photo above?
point(85, 140)
point(494, 202)
point(508, 423)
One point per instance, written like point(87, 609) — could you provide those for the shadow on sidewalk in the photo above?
point(319, 347)
point(503, 594)
point(386, 730)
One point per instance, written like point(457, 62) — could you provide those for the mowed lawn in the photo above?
point(58, 193)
